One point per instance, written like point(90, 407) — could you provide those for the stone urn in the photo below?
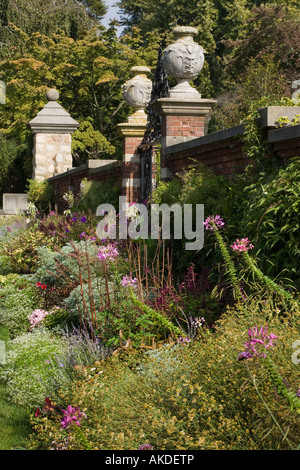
point(184, 60)
point(137, 92)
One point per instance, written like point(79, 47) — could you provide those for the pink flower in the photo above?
point(213, 222)
point(145, 447)
point(242, 245)
point(182, 340)
point(108, 253)
point(37, 317)
point(259, 341)
point(72, 415)
point(127, 281)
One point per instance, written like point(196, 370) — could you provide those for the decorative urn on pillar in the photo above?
point(137, 92)
point(184, 60)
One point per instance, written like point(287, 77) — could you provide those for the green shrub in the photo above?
point(32, 359)
point(21, 252)
point(94, 193)
point(40, 193)
point(56, 268)
point(18, 299)
point(271, 211)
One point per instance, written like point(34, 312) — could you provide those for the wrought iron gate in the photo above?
point(160, 89)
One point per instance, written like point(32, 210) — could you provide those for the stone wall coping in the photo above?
point(107, 166)
point(93, 165)
point(284, 133)
point(206, 139)
point(270, 114)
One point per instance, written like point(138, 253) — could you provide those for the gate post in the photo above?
point(183, 111)
point(52, 129)
point(136, 92)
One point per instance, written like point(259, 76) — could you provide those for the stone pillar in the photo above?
point(136, 92)
point(52, 129)
point(183, 111)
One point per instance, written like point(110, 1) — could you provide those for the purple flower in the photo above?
point(183, 340)
point(128, 281)
point(258, 343)
point(83, 219)
point(108, 253)
point(145, 447)
point(67, 230)
point(242, 245)
point(213, 222)
point(82, 235)
point(72, 415)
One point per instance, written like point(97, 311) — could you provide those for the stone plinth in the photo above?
point(182, 120)
point(52, 129)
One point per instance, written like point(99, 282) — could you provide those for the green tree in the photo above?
point(72, 17)
point(88, 72)
point(271, 30)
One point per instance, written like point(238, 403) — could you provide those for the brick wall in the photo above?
point(107, 171)
point(223, 151)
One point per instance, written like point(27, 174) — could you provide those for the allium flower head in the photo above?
point(72, 415)
point(213, 222)
point(242, 245)
point(258, 343)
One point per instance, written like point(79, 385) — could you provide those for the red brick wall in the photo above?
point(225, 156)
point(63, 183)
point(183, 126)
point(286, 149)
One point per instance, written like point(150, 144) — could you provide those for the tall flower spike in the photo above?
point(213, 222)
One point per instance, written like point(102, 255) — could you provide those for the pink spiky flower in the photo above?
point(72, 415)
point(108, 253)
point(242, 245)
point(258, 343)
point(213, 222)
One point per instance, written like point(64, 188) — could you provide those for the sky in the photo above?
point(111, 13)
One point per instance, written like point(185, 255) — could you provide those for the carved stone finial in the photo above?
point(137, 92)
point(184, 60)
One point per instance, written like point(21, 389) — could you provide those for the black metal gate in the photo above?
point(160, 89)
